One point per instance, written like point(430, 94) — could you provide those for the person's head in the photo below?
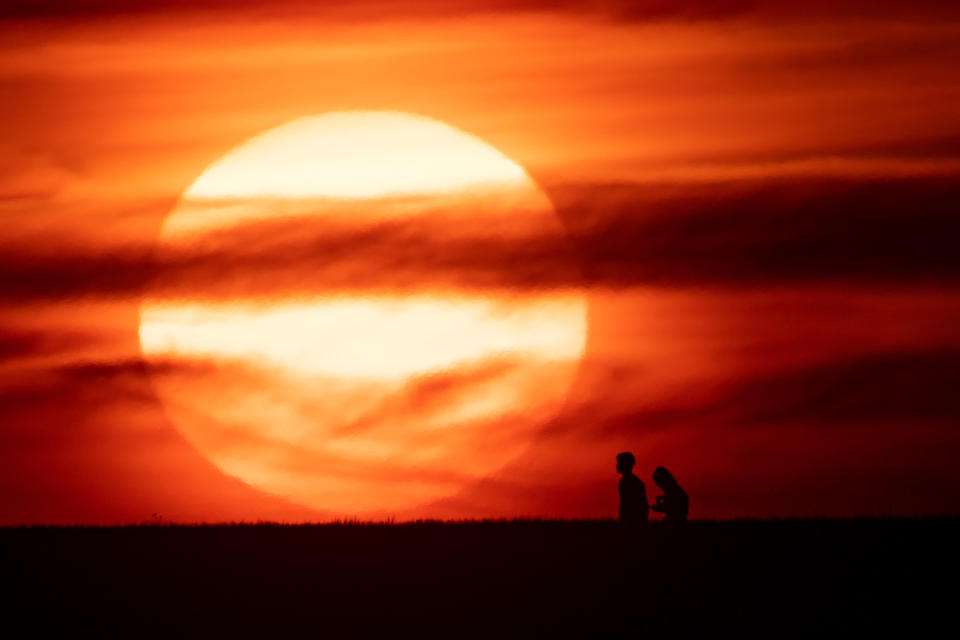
point(663, 478)
point(625, 462)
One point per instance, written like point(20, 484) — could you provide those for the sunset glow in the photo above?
point(416, 259)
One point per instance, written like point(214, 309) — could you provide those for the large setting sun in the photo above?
point(358, 402)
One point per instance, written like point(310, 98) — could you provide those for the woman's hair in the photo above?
point(663, 477)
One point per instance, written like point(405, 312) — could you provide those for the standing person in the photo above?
point(634, 509)
point(674, 503)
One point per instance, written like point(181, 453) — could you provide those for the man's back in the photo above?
point(633, 500)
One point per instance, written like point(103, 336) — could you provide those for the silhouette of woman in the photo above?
point(633, 494)
point(674, 503)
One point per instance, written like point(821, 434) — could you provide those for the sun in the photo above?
point(341, 315)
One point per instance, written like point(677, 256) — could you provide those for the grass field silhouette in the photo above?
point(473, 578)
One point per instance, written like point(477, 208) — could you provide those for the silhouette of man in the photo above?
point(674, 503)
point(633, 495)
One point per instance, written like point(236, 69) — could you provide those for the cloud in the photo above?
point(18, 343)
point(869, 231)
point(900, 386)
point(433, 393)
point(381, 9)
point(91, 386)
point(897, 384)
point(875, 232)
point(876, 388)
point(32, 275)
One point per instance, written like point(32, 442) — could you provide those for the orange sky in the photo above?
point(761, 201)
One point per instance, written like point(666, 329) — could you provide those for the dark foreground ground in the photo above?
point(529, 578)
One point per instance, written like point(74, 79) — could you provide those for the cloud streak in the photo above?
point(372, 10)
point(899, 386)
point(872, 232)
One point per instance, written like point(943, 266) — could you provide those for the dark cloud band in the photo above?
point(805, 230)
point(379, 9)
